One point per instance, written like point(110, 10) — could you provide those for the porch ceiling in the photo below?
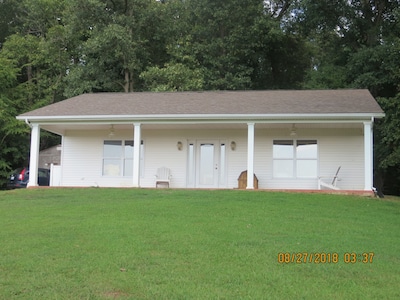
point(61, 128)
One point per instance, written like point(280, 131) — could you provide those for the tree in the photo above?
point(9, 9)
point(232, 45)
point(388, 149)
point(173, 77)
point(113, 44)
point(31, 66)
point(339, 32)
point(12, 146)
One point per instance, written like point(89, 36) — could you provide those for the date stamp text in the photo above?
point(325, 258)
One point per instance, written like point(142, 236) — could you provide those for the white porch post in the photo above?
point(368, 156)
point(136, 154)
point(250, 156)
point(34, 155)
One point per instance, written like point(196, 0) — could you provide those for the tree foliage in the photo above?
point(11, 151)
point(114, 41)
point(54, 49)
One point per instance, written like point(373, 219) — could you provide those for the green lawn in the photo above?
point(100, 243)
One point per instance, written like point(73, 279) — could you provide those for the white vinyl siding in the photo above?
point(82, 157)
point(346, 150)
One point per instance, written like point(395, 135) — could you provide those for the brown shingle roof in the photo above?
point(214, 102)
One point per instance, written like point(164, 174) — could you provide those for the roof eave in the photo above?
point(200, 117)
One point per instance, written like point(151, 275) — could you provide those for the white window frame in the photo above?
point(120, 170)
point(292, 159)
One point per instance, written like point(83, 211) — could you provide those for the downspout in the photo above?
point(28, 123)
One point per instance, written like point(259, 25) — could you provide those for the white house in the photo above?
point(288, 139)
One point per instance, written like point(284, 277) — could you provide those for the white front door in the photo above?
point(210, 164)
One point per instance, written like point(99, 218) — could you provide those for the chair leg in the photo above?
point(162, 182)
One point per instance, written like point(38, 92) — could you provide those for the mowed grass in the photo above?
point(101, 243)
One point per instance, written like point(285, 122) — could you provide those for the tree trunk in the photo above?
point(128, 84)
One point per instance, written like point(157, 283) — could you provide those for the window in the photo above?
point(191, 165)
point(118, 158)
point(222, 155)
point(295, 158)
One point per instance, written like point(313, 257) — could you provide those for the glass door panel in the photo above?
point(207, 165)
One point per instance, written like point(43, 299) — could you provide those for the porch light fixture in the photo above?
point(179, 145)
point(112, 131)
point(293, 130)
point(233, 145)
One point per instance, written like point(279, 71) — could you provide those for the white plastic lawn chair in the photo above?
point(163, 176)
point(331, 185)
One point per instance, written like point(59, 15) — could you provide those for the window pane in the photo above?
point(141, 158)
point(283, 168)
point(128, 149)
point(112, 148)
point(128, 167)
point(206, 164)
point(307, 149)
point(191, 165)
point(112, 167)
point(222, 165)
point(283, 149)
point(306, 168)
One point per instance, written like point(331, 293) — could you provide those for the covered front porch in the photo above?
point(212, 154)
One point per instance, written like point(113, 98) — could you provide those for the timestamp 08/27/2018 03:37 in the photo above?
point(325, 257)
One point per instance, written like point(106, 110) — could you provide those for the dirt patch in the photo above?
point(114, 294)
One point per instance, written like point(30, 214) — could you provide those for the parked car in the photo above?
point(20, 178)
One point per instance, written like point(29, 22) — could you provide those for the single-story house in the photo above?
point(289, 139)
